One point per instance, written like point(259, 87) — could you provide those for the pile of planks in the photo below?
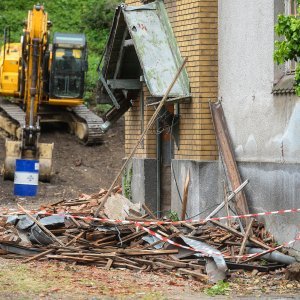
point(109, 244)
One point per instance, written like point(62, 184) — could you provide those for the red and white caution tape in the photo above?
point(147, 223)
point(126, 222)
point(164, 239)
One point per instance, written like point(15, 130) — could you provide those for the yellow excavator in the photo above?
point(45, 83)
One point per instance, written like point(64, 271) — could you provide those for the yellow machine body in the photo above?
point(9, 70)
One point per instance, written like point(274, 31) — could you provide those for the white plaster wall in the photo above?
point(263, 127)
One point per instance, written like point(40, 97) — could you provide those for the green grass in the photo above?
point(220, 288)
point(154, 296)
point(23, 279)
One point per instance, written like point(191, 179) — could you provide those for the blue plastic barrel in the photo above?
point(26, 177)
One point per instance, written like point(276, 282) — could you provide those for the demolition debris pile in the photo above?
point(66, 231)
point(125, 235)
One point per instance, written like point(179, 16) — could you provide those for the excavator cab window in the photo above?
point(68, 69)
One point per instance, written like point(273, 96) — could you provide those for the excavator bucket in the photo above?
point(13, 150)
point(45, 152)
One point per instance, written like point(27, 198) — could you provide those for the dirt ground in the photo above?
point(76, 168)
point(58, 280)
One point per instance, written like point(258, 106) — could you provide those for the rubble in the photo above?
point(293, 272)
point(66, 231)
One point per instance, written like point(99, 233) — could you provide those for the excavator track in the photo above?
point(13, 113)
point(93, 123)
point(16, 115)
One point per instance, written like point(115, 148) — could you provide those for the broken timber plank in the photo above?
point(40, 255)
point(185, 195)
point(230, 197)
point(198, 275)
point(75, 238)
point(227, 155)
point(248, 231)
point(252, 239)
point(109, 264)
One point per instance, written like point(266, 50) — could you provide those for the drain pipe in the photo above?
point(158, 169)
point(275, 256)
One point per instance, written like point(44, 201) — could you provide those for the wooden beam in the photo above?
point(40, 255)
point(151, 101)
point(248, 231)
point(185, 195)
point(228, 157)
point(251, 239)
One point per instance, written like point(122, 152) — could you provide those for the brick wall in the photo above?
point(195, 25)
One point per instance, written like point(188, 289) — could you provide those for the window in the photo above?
point(67, 73)
point(290, 9)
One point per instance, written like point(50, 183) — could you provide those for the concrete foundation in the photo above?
point(205, 187)
point(143, 183)
point(272, 186)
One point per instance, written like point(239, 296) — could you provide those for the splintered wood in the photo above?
point(109, 244)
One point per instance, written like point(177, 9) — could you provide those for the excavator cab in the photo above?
point(69, 64)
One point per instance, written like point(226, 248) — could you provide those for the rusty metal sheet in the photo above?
point(156, 48)
point(227, 155)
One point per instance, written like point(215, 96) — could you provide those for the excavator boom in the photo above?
point(27, 59)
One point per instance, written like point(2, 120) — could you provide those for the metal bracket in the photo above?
point(109, 92)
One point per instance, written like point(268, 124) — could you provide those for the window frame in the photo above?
point(290, 9)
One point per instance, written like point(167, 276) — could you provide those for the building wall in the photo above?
point(272, 187)
point(195, 27)
point(263, 127)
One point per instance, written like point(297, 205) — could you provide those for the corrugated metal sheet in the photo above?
point(155, 46)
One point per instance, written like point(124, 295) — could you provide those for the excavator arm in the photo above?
point(34, 45)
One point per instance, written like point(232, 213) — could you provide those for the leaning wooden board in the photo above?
point(227, 155)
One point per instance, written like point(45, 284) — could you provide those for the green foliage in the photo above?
point(127, 183)
point(288, 48)
point(92, 17)
point(220, 288)
point(102, 108)
point(154, 296)
point(92, 74)
point(172, 215)
point(96, 16)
